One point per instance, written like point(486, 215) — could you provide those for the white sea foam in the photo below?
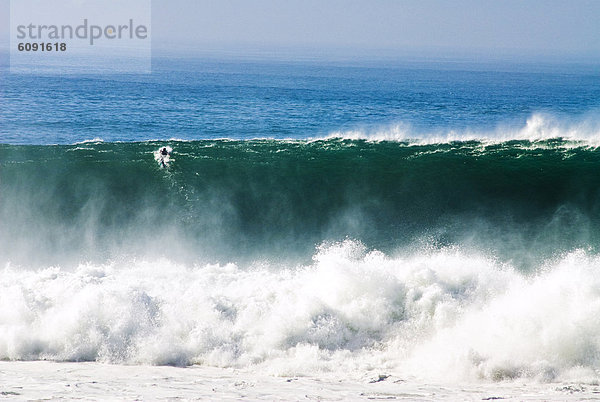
point(94, 140)
point(442, 314)
point(538, 127)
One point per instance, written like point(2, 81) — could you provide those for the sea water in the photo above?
point(313, 217)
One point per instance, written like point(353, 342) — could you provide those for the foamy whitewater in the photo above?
point(441, 314)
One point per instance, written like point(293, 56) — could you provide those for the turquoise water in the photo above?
point(221, 200)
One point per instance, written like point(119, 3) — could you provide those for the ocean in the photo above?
point(313, 218)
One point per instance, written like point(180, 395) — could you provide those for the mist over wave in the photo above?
point(241, 201)
point(538, 127)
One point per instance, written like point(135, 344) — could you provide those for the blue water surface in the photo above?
point(205, 99)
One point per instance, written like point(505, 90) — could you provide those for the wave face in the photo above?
point(473, 259)
point(268, 198)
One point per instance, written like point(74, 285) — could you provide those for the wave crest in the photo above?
point(538, 127)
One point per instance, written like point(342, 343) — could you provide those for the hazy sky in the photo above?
point(490, 27)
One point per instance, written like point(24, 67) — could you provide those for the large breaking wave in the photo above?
point(467, 258)
point(265, 199)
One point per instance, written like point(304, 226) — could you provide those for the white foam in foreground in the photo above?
point(97, 381)
point(442, 315)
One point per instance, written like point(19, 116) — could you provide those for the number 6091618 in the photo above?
point(42, 47)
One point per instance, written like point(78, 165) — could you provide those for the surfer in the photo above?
point(163, 156)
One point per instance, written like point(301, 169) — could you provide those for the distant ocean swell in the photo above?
point(474, 259)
